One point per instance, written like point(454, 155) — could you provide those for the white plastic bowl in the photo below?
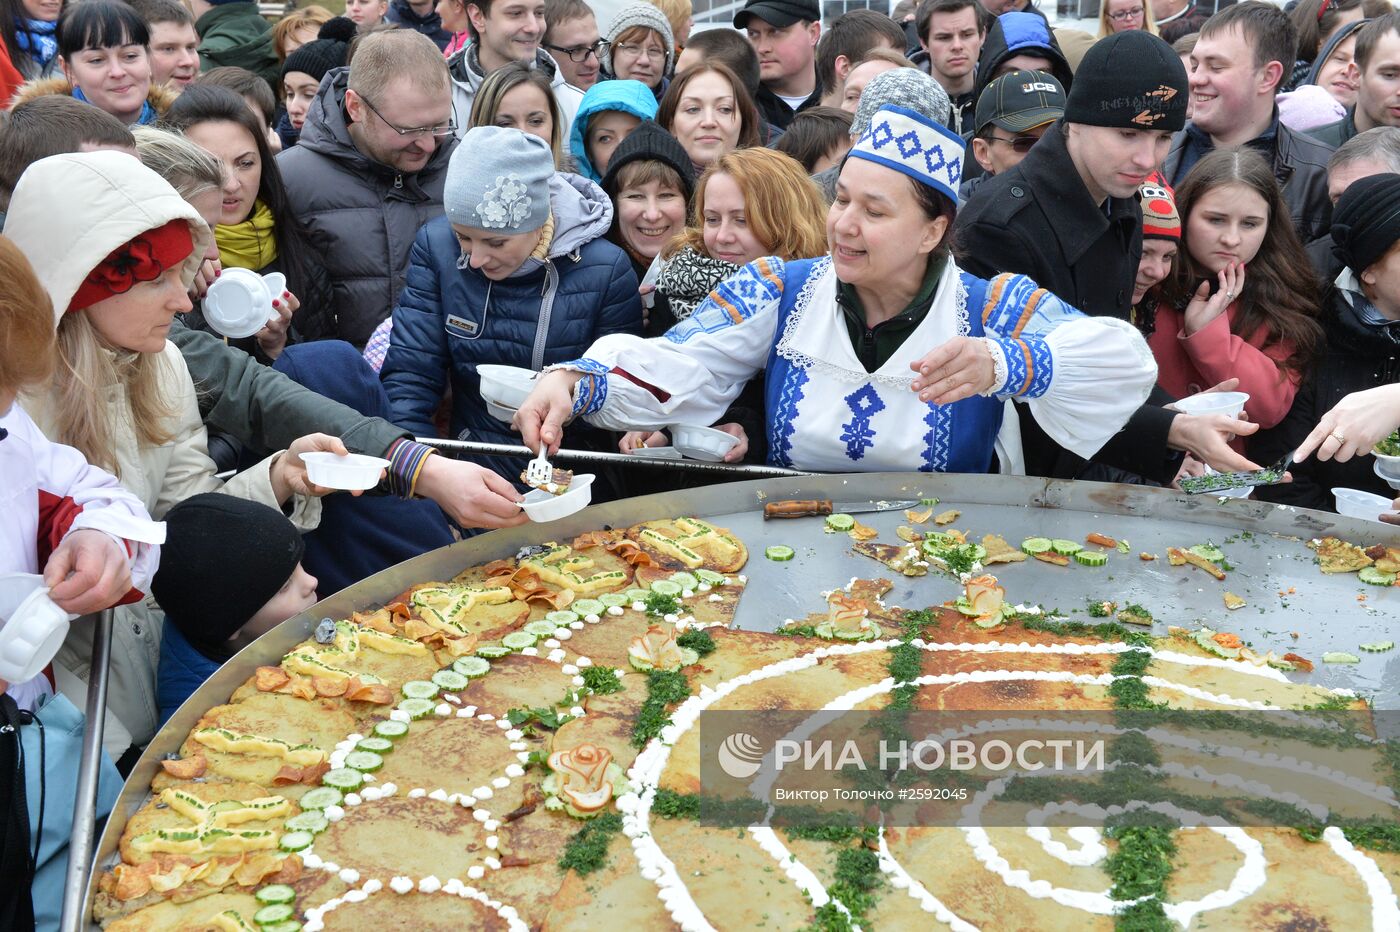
point(657, 453)
point(353, 473)
point(701, 443)
point(32, 627)
point(507, 386)
point(1391, 479)
point(1229, 403)
point(540, 506)
point(500, 412)
point(1386, 466)
point(1353, 503)
point(239, 303)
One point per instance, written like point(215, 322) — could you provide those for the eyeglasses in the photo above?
point(651, 52)
point(1123, 16)
point(448, 129)
point(1020, 144)
point(579, 53)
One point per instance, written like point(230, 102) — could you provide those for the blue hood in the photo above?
point(1016, 34)
point(632, 97)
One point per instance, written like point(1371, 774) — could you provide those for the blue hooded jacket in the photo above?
point(632, 97)
point(1017, 34)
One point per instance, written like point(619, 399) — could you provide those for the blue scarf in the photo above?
point(36, 36)
point(148, 113)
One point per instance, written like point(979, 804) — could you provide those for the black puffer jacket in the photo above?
point(362, 216)
point(1356, 358)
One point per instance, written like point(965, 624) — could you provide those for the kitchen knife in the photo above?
point(825, 506)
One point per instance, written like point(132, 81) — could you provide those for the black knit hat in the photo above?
point(328, 50)
point(649, 142)
point(1130, 80)
point(1366, 222)
point(223, 559)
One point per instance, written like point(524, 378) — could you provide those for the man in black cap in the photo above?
point(1068, 217)
point(784, 33)
point(1013, 113)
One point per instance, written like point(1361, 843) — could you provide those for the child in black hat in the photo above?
point(230, 571)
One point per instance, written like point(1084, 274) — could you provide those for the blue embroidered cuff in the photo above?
point(1029, 367)
point(592, 390)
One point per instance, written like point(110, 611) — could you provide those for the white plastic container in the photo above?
point(540, 506)
point(32, 627)
point(500, 412)
point(352, 473)
point(701, 443)
point(239, 303)
point(1228, 403)
point(1392, 480)
point(507, 386)
point(1387, 467)
point(1353, 503)
point(656, 453)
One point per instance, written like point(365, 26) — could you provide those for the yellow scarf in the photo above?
point(251, 244)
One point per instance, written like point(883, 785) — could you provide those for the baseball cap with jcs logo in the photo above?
point(1020, 101)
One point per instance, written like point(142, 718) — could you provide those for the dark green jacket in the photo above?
point(236, 34)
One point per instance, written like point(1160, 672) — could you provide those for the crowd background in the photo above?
point(1030, 237)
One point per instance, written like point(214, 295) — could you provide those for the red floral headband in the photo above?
point(144, 258)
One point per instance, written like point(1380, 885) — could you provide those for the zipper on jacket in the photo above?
point(551, 287)
point(398, 182)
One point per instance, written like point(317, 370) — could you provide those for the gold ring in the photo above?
point(1337, 437)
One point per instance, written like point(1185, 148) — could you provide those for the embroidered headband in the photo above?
point(914, 145)
point(143, 258)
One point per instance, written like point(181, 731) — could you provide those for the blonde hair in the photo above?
point(26, 323)
point(678, 13)
point(186, 167)
point(314, 16)
point(380, 58)
point(1149, 22)
point(87, 370)
point(782, 205)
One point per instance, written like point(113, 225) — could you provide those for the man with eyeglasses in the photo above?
point(571, 36)
point(504, 31)
point(1012, 114)
point(370, 168)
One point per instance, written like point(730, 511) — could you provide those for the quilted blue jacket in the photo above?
point(450, 319)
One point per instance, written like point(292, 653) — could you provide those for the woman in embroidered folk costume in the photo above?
point(882, 355)
point(516, 273)
point(116, 248)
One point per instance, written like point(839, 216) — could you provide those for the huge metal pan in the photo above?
point(1264, 542)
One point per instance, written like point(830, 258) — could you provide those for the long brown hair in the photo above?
point(782, 205)
point(1280, 296)
point(743, 100)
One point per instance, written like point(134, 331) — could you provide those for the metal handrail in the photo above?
point(80, 844)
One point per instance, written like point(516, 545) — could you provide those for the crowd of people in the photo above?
point(952, 238)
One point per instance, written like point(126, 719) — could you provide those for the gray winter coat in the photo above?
point(362, 215)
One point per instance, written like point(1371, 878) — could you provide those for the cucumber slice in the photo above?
point(343, 779)
point(1377, 647)
point(276, 912)
point(492, 651)
point(364, 761)
point(1091, 558)
point(685, 581)
point(322, 796)
point(928, 501)
point(312, 820)
point(417, 708)
point(589, 607)
point(378, 745)
point(666, 587)
point(387, 729)
point(710, 577)
point(291, 925)
point(471, 667)
point(1036, 544)
point(1067, 548)
point(780, 553)
point(544, 629)
point(275, 893)
point(840, 522)
point(420, 689)
point(296, 841)
point(637, 595)
point(1208, 552)
point(612, 599)
point(1339, 656)
point(519, 640)
point(450, 680)
point(1375, 577)
point(564, 617)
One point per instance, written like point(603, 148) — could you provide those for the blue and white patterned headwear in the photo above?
point(911, 143)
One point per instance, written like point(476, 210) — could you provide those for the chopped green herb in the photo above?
point(587, 851)
point(601, 680)
point(658, 604)
point(699, 641)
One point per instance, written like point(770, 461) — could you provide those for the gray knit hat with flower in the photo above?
point(638, 14)
point(498, 179)
point(904, 87)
